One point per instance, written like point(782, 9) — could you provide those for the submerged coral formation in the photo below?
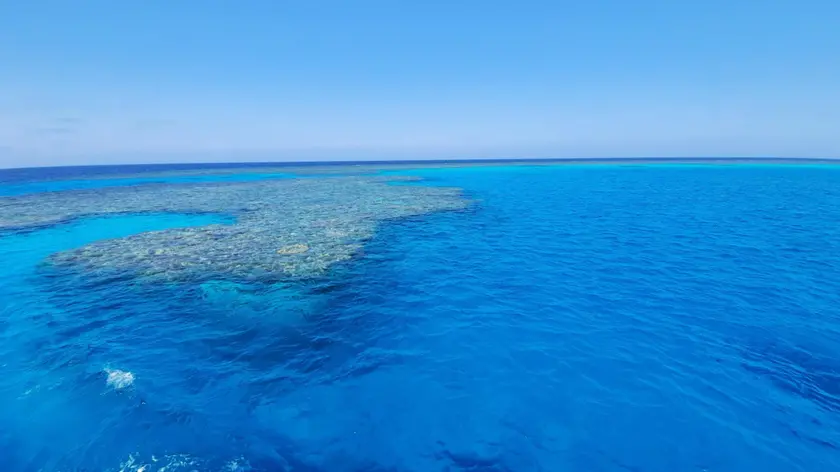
point(290, 227)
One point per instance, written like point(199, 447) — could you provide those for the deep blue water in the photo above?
point(582, 318)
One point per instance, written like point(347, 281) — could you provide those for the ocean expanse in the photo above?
point(616, 315)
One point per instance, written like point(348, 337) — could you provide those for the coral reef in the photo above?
point(283, 228)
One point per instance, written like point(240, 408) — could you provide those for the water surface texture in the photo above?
point(609, 317)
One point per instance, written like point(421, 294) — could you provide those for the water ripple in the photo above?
point(645, 318)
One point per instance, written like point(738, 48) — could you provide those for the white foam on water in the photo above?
point(131, 465)
point(176, 463)
point(236, 465)
point(119, 379)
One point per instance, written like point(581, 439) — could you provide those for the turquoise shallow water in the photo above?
point(603, 317)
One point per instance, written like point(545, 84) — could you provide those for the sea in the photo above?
point(615, 315)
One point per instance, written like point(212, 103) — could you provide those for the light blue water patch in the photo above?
point(430, 170)
point(22, 250)
point(77, 184)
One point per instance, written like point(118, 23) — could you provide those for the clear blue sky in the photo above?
point(93, 81)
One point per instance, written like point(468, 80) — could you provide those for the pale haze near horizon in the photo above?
point(130, 82)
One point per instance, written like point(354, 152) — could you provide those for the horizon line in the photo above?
point(427, 161)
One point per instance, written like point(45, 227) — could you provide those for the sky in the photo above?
point(108, 82)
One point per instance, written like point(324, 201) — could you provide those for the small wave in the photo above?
point(119, 379)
